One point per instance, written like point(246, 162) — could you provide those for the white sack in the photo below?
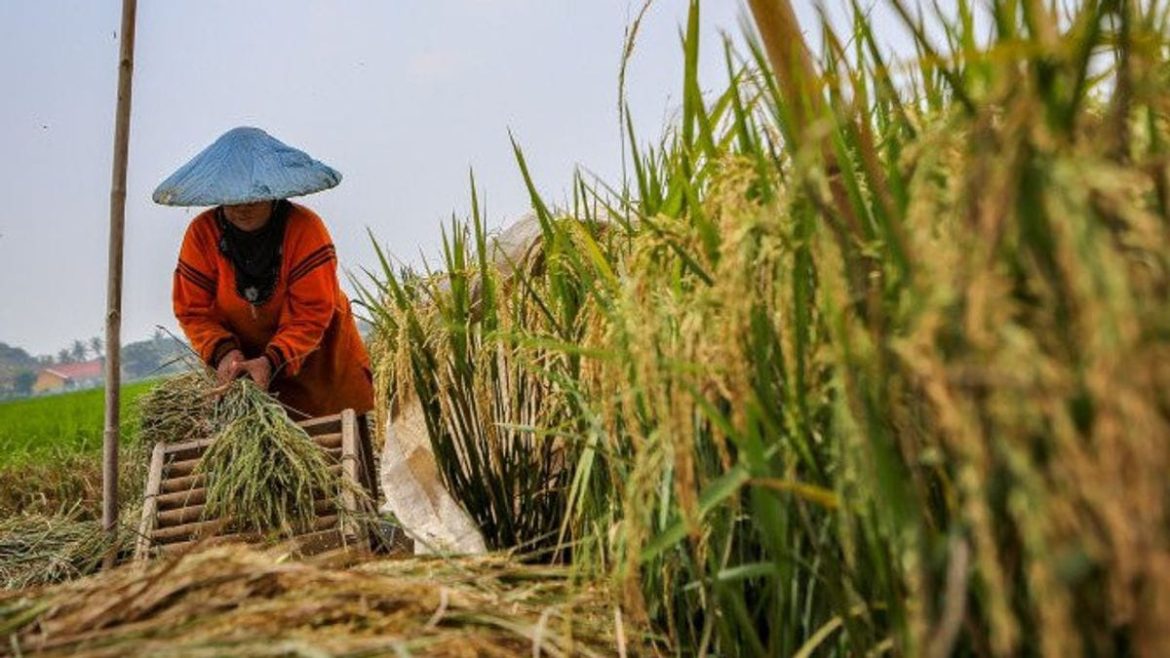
point(415, 494)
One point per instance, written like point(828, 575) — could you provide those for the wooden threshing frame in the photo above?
point(172, 514)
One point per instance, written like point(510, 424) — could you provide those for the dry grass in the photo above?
point(39, 550)
point(237, 601)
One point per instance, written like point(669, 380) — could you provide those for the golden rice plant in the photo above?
point(875, 358)
point(472, 348)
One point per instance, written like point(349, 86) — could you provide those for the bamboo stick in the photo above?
point(349, 465)
point(114, 290)
point(154, 479)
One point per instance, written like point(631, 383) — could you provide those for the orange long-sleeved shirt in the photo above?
point(306, 329)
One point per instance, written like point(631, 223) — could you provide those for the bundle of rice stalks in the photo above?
point(236, 601)
point(181, 408)
point(39, 550)
point(263, 471)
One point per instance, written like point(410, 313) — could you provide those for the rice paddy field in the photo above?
point(50, 450)
point(36, 428)
point(867, 357)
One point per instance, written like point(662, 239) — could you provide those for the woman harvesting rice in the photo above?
point(256, 288)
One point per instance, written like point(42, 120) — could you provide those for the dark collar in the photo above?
point(255, 255)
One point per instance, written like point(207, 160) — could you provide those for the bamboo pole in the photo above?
point(114, 288)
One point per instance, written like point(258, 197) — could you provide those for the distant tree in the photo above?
point(96, 346)
point(24, 382)
point(14, 355)
point(45, 359)
point(79, 350)
point(153, 357)
point(64, 356)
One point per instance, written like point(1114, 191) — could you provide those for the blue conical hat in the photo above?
point(242, 166)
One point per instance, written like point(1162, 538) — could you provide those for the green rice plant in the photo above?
point(45, 427)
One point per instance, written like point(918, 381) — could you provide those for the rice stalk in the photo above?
point(178, 409)
point(472, 349)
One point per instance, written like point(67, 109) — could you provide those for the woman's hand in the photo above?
point(260, 370)
point(229, 366)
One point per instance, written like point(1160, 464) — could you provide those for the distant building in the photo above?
point(69, 377)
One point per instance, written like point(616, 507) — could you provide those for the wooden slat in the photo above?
point(190, 531)
point(186, 449)
point(192, 513)
point(328, 440)
point(320, 434)
point(153, 479)
point(322, 425)
point(181, 468)
point(191, 482)
point(187, 483)
point(182, 498)
point(179, 516)
point(185, 531)
point(312, 542)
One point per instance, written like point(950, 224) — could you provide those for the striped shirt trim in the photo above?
point(196, 277)
point(311, 262)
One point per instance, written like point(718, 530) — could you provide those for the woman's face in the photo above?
point(249, 216)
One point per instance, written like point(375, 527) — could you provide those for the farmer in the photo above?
point(256, 287)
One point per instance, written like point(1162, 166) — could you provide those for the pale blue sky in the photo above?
point(402, 96)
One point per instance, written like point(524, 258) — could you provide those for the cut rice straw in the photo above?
point(239, 601)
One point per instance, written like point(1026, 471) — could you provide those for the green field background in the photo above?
point(43, 427)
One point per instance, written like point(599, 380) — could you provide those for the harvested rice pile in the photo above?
point(239, 601)
point(39, 550)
